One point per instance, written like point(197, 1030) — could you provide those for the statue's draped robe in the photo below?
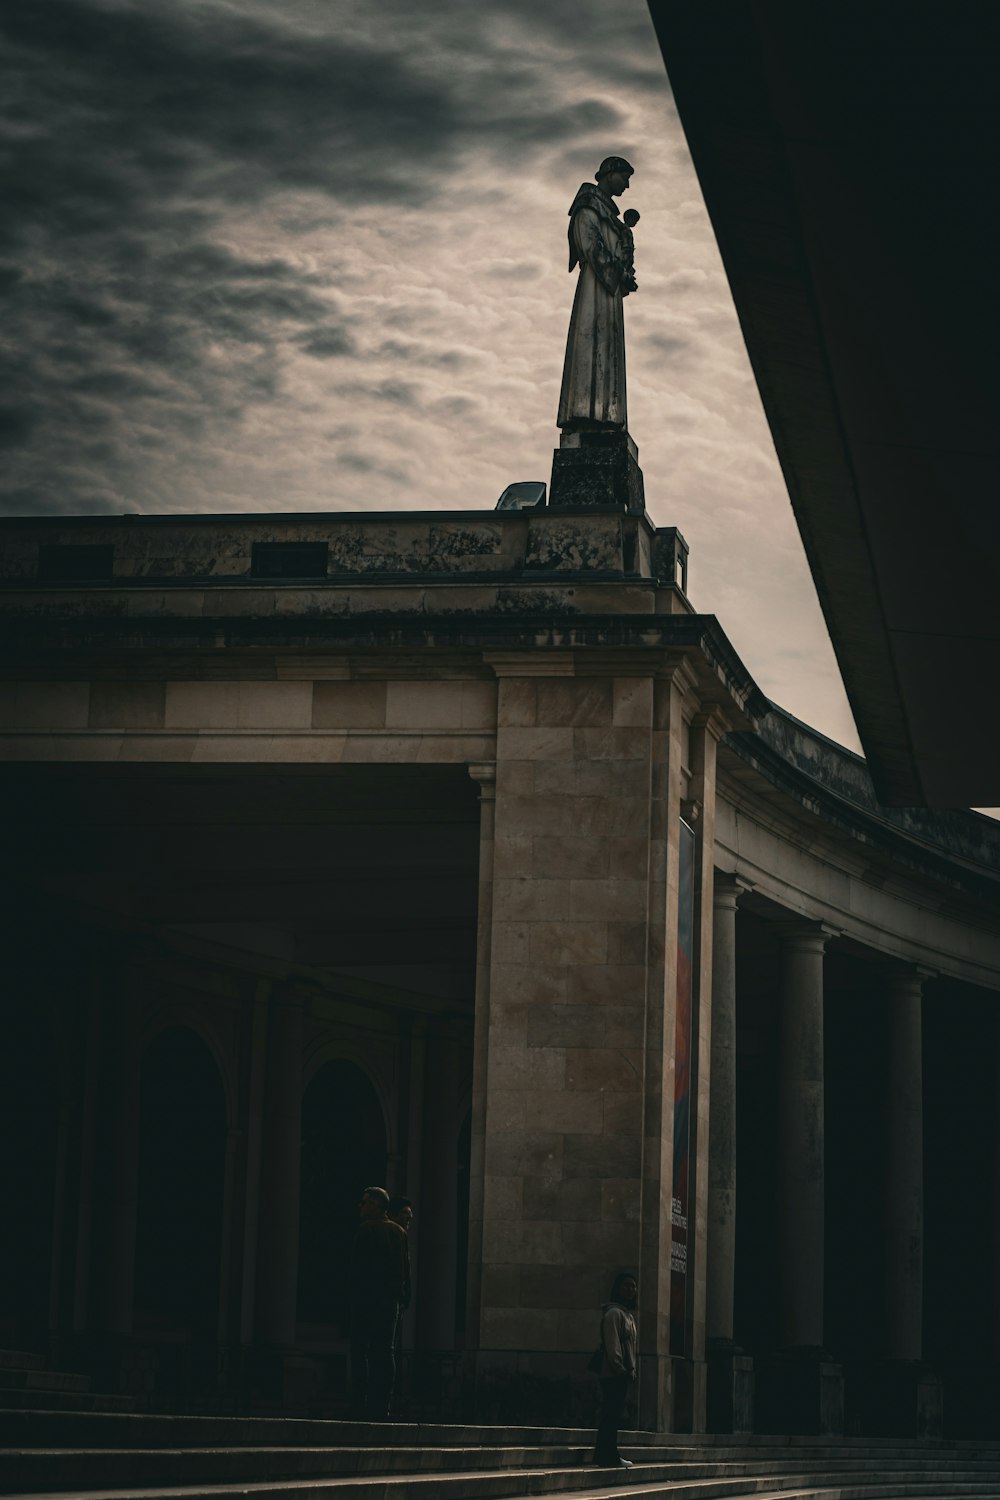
point(593, 385)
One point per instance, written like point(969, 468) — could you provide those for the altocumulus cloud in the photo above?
point(311, 253)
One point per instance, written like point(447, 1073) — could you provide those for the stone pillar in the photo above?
point(698, 809)
point(485, 775)
point(799, 1388)
point(416, 1106)
point(258, 1020)
point(995, 1203)
point(88, 1131)
point(581, 899)
point(904, 1169)
point(800, 1136)
point(120, 1269)
point(278, 1236)
point(666, 773)
point(730, 1378)
point(722, 1121)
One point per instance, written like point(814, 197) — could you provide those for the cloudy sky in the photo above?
point(311, 255)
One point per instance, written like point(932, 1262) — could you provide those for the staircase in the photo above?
point(26, 1383)
point(114, 1456)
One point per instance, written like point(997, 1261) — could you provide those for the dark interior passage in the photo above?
point(343, 1152)
point(182, 1142)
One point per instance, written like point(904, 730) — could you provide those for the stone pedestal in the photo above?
point(799, 1392)
point(730, 1389)
point(597, 470)
point(894, 1398)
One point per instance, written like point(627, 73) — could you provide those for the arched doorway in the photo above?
point(182, 1143)
point(343, 1152)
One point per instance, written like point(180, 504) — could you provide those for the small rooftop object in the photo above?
point(527, 494)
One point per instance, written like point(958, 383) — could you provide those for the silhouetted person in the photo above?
point(380, 1275)
point(617, 1367)
point(401, 1213)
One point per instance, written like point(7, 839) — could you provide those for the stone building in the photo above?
point(456, 851)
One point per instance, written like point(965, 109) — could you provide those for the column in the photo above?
point(800, 1136)
point(254, 1132)
point(120, 1270)
point(88, 1130)
point(485, 775)
point(278, 1241)
point(698, 810)
point(904, 1168)
point(722, 1114)
point(994, 1193)
point(658, 1399)
point(417, 1062)
point(730, 1371)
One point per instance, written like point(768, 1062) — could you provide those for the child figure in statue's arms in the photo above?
point(630, 219)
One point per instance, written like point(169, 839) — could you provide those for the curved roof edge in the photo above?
point(835, 784)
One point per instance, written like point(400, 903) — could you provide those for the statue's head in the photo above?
point(613, 175)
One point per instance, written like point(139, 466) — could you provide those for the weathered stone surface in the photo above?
point(127, 705)
point(607, 478)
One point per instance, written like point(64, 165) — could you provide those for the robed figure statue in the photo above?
point(593, 384)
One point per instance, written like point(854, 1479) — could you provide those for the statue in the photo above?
point(593, 385)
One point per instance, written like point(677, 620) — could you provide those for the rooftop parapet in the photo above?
point(336, 547)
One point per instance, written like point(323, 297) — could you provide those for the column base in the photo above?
point(656, 1395)
point(597, 469)
point(730, 1389)
point(894, 1398)
point(799, 1392)
point(688, 1386)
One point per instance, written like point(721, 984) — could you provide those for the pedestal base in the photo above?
point(799, 1393)
point(894, 1398)
point(730, 1390)
point(597, 470)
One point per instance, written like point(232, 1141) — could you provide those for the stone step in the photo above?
point(45, 1380)
point(277, 1473)
point(21, 1359)
point(18, 1403)
point(81, 1424)
point(39, 1468)
point(641, 1491)
point(526, 1484)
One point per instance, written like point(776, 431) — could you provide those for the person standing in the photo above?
point(380, 1276)
point(618, 1367)
point(401, 1213)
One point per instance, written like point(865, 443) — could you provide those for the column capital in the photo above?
point(802, 935)
point(728, 889)
point(907, 979)
point(485, 772)
point(713, 721)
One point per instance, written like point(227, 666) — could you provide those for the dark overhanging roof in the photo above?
point(848, 155)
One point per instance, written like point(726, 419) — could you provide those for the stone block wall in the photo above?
point(577, 894)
